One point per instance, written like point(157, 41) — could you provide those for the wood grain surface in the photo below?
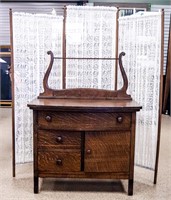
point(50, 139)
point(88, 175)
point(84, 139)
point(47, 161)
point(80, 105)
point(84, 121)
point(109, 151)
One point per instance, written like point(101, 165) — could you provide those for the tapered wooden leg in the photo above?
point(36, 184)
point(130, 187)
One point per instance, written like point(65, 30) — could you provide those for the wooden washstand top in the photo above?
point(85, 105)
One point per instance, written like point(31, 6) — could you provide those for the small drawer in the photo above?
point(59, 139)
point(84, 121)
point(54, 161)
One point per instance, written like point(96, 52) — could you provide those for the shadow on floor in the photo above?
point(82, 185)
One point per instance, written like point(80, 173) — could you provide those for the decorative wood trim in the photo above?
point(124, 76)
point(45, 80)
point(160, 97)
point(85, 93)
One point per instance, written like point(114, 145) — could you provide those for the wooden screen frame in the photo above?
point(13, 93)
point(160, 98)
point(168, 73)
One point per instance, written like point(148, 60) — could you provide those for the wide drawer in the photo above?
point(84, 121)
point(54, 161)
point(59, 139)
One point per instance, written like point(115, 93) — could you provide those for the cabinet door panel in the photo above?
point(107, 151)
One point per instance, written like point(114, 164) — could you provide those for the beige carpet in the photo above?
point(21, 187)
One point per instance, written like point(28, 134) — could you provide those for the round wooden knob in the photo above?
point(59, 139)
point(120, 119)
point(59, 162)
point(48, 118)
point(88, 151)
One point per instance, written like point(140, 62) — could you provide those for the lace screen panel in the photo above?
point(90, 33)
point(140, 38)
point(33, 36)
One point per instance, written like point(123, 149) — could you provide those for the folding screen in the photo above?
point(140, 36)
point(33, 36)
point(90, 33)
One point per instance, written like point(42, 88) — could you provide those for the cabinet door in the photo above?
point(107, 151)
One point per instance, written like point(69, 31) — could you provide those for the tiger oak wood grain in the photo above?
point(84, 121)
point(84, 139)
point(51, 139)
point(109, 151)
point(48, 161)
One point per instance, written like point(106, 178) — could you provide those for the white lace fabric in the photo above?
point(140, 38)
point(90, 33)
point(33, 36)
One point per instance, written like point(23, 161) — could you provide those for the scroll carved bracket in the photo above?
point(84, 93)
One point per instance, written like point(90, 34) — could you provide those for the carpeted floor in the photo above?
point(21, 187)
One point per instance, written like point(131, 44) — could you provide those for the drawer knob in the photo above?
point(59, 162)
point(59, 139)
point(88, 151)
point(48, 118)
point(119, 119)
